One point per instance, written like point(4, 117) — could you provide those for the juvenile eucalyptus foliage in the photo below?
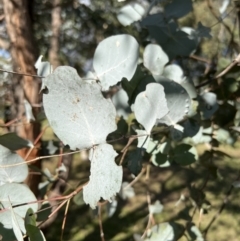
point(14, 195)
point(82, 118)
point(152, 100)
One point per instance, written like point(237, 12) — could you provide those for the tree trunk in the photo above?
point(60, 184)
point(23, 52)
point(54, 40)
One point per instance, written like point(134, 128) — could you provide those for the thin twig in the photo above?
point(200, 217)
point(22, 74)
point(195, 208)
point(229, 67)
point(64, 218)
point(225, 201)
point(35, 142)
point(100, 222)
point(151, 220)
point(200, 59)
point(69, 153)
point(11, 122)
point(19, 124)
point(66, 197)
point(131, 139)
point(47, 208)
point(148, 172)
point(65, 200)
point(60, 161)
point(235, 62)
point(56, 210)
point(123, 156)
point(218, 18)
point(125, 149)
point(42, 157)
point(135, 179)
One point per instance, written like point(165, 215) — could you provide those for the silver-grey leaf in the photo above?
point(106, 177)
point(76, 110)
point(116, 57)
point(18, 194)
point(13, 173)
point(150, 105)
point(154, 58)
point(178, 101)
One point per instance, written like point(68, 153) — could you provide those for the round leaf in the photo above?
point(6, 227)
point(178, 101)
point(77, 111)
point(150, 105)
point(154, 58)
point(13, 173)
point(115, 57)
point(130, 13)
point(173, 72)
point(208, 104)
point(17, 194)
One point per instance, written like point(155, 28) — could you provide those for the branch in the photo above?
point(235, 62)
point(151, 220)
point(22, 74)
point(225, 201)
point(42, 157)
point(135, 179)
point(125, 149)
point(65, 217)
point(100, 222)
point(209, 4)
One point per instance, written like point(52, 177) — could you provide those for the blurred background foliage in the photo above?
point(194, 194)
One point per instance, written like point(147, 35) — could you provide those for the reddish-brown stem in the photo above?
point(151, 220)
point(136, 178)
point(35, 142)
point(23, 74)
point(100, 222)
point(65, 218)
point(40, 158)
point(60, 157)
point(235, 62)
point(200, 59)
point(125, 149)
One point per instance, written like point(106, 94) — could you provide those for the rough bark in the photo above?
point(54, 40)
point(23, 54)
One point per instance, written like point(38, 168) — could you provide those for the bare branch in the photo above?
point(22, 74)
point(100, 222)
